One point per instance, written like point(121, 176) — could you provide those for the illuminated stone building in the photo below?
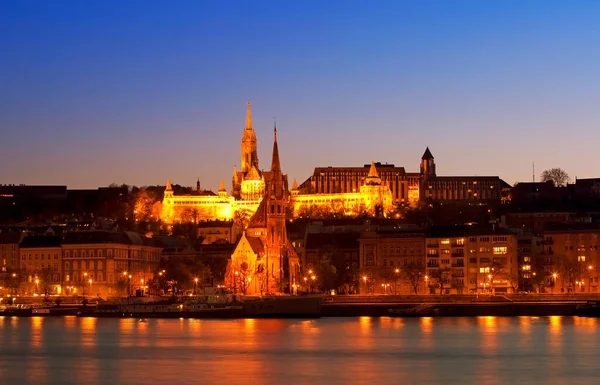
point(571, 252)
point(406, 188)
point(248, 186)
point(40, 267)
point(442, 259)
point(264, 261)
point(371, 196)
point(116, 262)
point(392, 262)
point(9, 251)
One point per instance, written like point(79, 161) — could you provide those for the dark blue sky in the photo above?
point(95, 92)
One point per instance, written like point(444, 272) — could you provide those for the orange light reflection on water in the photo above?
point(37, 324)
point(555, 332)
point(88, 332)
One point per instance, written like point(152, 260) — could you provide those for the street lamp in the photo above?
point(236, 273)
point(554, 282)
point(590, 268)
point(490, 278)
point(426, 285)
point(195, 284)
point(397, 271)
point(90, 281)
point(312, 285)
point(83, 284)
point(305, 284)
point(365, 281)
point(37, 281)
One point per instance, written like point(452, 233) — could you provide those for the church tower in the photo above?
point(427, 164)
point(249, 147)
point(276, 197)
point(427, 174)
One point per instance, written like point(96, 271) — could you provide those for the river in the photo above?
point(364, 350)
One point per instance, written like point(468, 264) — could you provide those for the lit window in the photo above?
point(500, 250)
point(581, 258)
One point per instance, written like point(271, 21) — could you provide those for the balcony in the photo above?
point(547, 242)
point(433, 265)
point(460, 255)
point(433, 255)
point(457, 244)
point(433, 245)
point(458, 265)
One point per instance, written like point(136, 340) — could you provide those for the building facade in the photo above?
point(393, 262)
point(40, 265)
point(571, 257)
point(372, 197)
point(104, 263)
point(440, 260)
point(405, 188)
point(9, 252)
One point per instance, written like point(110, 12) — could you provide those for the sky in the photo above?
point(101, 92)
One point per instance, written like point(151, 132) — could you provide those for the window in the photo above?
point(581, 258)
point(445, 261)
point(445, 251)
point(484, 270)
point(445, 241)
point(500, 250)
point(460, 241)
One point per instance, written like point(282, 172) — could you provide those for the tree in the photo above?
point(441, 278)
point(556, 175)
point(415, 274)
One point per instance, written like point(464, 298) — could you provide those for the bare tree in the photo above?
point(557, 175)
point(414, 274)
point(442, 278)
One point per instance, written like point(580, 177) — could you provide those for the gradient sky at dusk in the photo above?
point(95, 92)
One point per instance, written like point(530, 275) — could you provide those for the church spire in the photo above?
point(169, 187)
point(222, 186)
point(248, 118)
point(275, 165)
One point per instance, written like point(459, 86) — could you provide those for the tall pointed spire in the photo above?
point(275, 165)
point(222, 186)
point(295, 185)
point(169, 187)
point(248, 118)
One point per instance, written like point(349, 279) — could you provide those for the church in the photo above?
point(248, 187)
point(264, 261)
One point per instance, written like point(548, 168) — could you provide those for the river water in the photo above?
point(363, 350)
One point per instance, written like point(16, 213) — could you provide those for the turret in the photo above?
point(295, 189)
point(373, 178)
point(222, 191)
point(169, 189)
point(427, 164)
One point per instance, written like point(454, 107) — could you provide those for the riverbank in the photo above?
point(356, 306)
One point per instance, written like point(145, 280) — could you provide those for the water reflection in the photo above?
point(88, 332)
point(487, 350)
point(37, 324)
